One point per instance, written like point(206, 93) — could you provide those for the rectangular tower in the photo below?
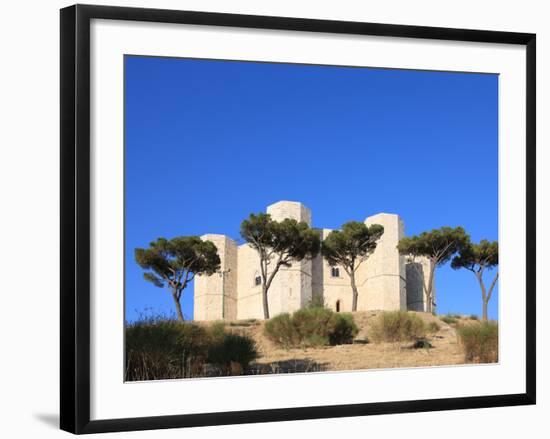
point(216, 295)
point(291, 287)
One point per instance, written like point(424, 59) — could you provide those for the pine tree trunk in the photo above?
point(355, 292)
point(484, 297)
point(485, 306)
point(178, 307)
point(265, 302)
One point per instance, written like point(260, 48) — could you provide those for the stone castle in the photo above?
point(385, 281)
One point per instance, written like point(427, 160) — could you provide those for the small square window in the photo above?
point(335, 272)
point(257, 280)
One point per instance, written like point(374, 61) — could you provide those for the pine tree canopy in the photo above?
point(352, 244)
point(438, 244)
point(176, 261)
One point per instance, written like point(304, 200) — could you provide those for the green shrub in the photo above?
point(395, 326)
point(474, 317)
point(308, 327)
point(344, 329)
point(158, 348)
point(232, 348)
point(193, 339)
point(479, 341)
point(280, 330)
point(216, 332)
point(313, 326)
point(155, 349)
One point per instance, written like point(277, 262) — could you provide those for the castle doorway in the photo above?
point(338, 306)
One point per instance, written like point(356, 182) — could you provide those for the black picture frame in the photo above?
point(75, 217)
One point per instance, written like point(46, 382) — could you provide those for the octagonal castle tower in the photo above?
point(386, 281)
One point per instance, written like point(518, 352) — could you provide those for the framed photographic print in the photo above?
point(274, 218)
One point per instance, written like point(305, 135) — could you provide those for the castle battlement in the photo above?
point(386, 281)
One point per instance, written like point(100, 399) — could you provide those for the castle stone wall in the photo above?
point(381, 279)
point(418, 272)
point(249, 295)
point(385, 281)
point(291, 287)
point(289, 209)
point(333, 289)
point(216, 296)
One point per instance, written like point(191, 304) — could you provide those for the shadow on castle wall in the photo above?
point(415, 289)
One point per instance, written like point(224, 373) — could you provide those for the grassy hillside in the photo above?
point(440, 347)
point(167, 349)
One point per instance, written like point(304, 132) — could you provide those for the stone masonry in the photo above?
point(386, 281)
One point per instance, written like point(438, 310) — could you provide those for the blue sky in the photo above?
point(208, 142)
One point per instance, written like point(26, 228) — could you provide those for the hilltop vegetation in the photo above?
point(159, 348)
point(311, 327)
point(309, 340)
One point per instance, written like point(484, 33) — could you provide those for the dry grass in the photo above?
point(397, 326)
point(359, 356)
point(479, 341)
point(160, 348)
point(362, 354)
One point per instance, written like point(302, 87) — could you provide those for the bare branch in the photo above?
point(491, 288)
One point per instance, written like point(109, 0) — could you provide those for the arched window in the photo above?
point(334, 272)
point(338, 305)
